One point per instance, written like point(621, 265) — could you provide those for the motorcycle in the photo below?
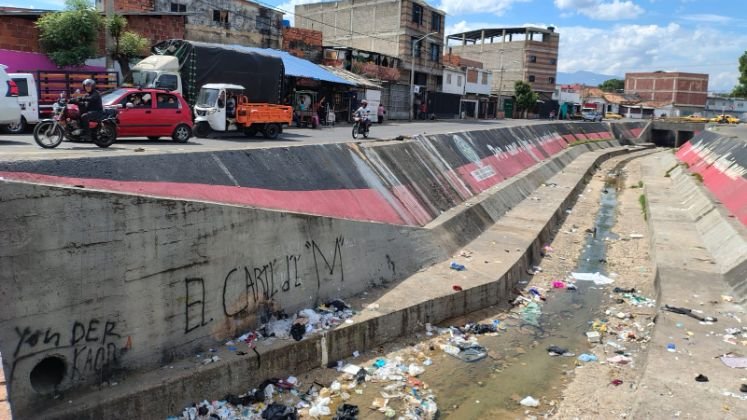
point(360, 128)
point(65, 124)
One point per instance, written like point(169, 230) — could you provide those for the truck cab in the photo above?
point(158, 71)
point(216, 106)
point(28, 100)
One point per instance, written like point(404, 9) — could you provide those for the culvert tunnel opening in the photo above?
point(48, 374)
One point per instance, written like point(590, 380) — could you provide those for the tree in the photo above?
point(740, 90)
point(70, 37)
point(526, 99)
point(127, 44)
point(612, 85)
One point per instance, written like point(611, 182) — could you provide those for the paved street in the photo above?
point(23, 147)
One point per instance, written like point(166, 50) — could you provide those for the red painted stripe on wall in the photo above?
point(357, 204)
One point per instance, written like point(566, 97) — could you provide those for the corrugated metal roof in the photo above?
point(354, 78)
point(294, 66)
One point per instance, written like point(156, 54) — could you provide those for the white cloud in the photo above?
point(602, 10)
point(627, 48)
point(459, 7)
point(708, 18)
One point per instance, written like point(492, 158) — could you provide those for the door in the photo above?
point(167, 114)
point(27, 98)
point(136, 121)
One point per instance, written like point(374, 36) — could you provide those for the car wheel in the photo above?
point(182, 133)
point(202, 129)
point(16, 127)
point(153, 138)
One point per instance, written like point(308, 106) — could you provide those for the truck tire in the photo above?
point(16, 128)
point(272, 131)
point(202, 129)
point(181, 133)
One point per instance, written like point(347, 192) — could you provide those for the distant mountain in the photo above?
point(584, 77)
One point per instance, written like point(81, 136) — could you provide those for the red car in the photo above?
point(154, 113)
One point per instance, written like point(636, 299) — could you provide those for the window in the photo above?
point(167, 81)
point(416, 46)
point(435, 52)
point(459, 80)
point(23, 86)
point(551, 80)
point(531, 78)
point(484, 78)
point(221, 17)
point(532, 58)
point(435, 22)
point(421, 79)
point(179, 8)
point(553, 61)
point(166, 101)
point(417, 14)
point(448, 79)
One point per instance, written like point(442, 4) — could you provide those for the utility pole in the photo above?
point(109, 44)
point(412, 70)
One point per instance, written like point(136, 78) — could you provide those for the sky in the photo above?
point(603, 36)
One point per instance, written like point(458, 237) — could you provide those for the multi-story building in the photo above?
point(687, 92)
point(390, 28)
point(528, 54)
point(220, 21)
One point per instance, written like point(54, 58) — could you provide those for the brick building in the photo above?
point(686, 91)
point(529, 54)
point(18, 26)
point(303, 43)
point(387, 28)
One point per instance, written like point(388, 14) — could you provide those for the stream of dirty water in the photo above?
point(519, 364)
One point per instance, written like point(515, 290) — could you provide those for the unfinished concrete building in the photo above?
point(388, 27)
point(529, 54)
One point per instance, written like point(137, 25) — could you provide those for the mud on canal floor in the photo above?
point(603, 233)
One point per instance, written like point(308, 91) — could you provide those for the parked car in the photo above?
point(591, 116)
point(151, 113)
point(10, 112)
point(696, 118)
point(613, 116)
point(725, 119)
point(28, 100)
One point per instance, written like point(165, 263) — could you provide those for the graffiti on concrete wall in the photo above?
point(90, 347)
point(245, 287)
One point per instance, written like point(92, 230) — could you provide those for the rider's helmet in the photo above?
point(364, 102)
point(89, 82)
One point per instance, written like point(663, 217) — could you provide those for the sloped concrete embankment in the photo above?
point(101, 282)
point(630, 132)
point(700, 254)
point(721, 162)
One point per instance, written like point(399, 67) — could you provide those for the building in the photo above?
point(240, 22)
point(686, 92)
point(717, 105)
point(476, 101)
point(389, 28)
point(303, 43)
point(528, 54)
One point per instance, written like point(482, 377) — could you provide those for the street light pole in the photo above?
point(412, 70)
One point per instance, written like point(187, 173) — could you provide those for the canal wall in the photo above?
point(106, 275)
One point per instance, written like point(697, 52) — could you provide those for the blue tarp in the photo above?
point(294, 66)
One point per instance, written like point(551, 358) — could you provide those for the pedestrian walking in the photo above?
point(380, 112)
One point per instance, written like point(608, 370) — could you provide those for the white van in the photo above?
point(10, 112)
point(28, 99)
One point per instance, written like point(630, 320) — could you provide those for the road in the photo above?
point(23, 147)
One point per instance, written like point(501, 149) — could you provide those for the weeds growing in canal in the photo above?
point(644, 209)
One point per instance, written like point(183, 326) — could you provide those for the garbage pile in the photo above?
point(306, 321)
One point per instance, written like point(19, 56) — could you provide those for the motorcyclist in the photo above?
point(364, 114)
point(91, 106)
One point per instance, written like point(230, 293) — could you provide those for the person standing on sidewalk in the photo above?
point(380, 113)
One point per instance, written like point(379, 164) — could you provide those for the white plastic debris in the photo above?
point(529, 401)
point(597, 278)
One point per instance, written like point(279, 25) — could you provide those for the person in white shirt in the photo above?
point(364, 114)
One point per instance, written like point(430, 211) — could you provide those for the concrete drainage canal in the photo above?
point(500, 362)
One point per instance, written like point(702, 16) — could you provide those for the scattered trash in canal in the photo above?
point(456, 266)
point(597, 278)
point(689, 312)
point(529, 401)
point(701, 378)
